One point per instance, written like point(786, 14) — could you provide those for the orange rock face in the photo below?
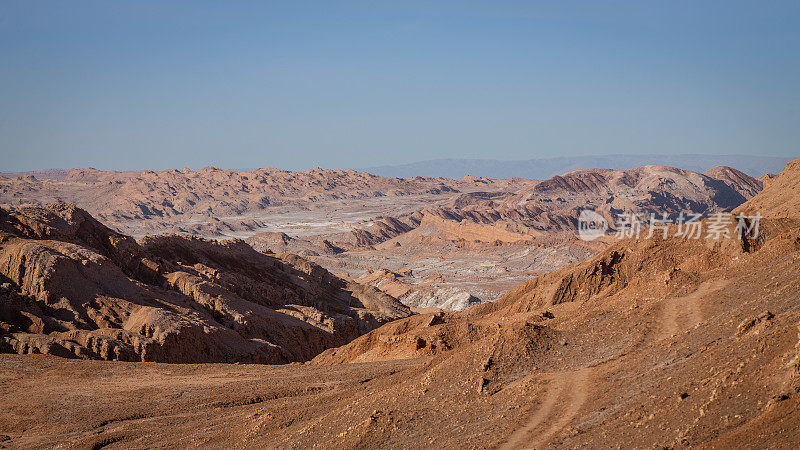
point(75, 288)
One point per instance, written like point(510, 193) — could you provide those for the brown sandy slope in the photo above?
point(74, 288)
point(781, 198)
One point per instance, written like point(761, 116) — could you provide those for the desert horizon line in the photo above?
point(777, 161)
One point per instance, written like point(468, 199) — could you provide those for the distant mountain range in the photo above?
point(548, 167)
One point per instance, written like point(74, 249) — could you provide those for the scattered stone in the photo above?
point(754, 323)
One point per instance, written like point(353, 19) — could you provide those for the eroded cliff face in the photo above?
point(630, 271)
point(72, 287)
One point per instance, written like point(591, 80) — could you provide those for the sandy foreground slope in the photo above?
point(651, 343)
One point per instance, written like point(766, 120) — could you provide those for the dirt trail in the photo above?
point(566, 393)
point(683, 313)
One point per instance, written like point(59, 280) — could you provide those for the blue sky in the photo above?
point(160, 84)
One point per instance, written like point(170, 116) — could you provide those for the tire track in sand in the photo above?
point(566, 393)
point(683, 313)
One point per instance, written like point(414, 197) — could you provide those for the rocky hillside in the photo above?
point(216, 201)
point(676, 342)
point(643, 190)
point(195, 201)
point(554, 204)
point(467, 240)
point(74, 288)
point(486, 241)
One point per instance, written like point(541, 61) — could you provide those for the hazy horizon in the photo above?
point(540, 168)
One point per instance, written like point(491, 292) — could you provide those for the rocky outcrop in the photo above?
point(73, 287)
point(737, 180)
point(419, 295)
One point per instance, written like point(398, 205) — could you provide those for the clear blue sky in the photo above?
point(159, 84)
